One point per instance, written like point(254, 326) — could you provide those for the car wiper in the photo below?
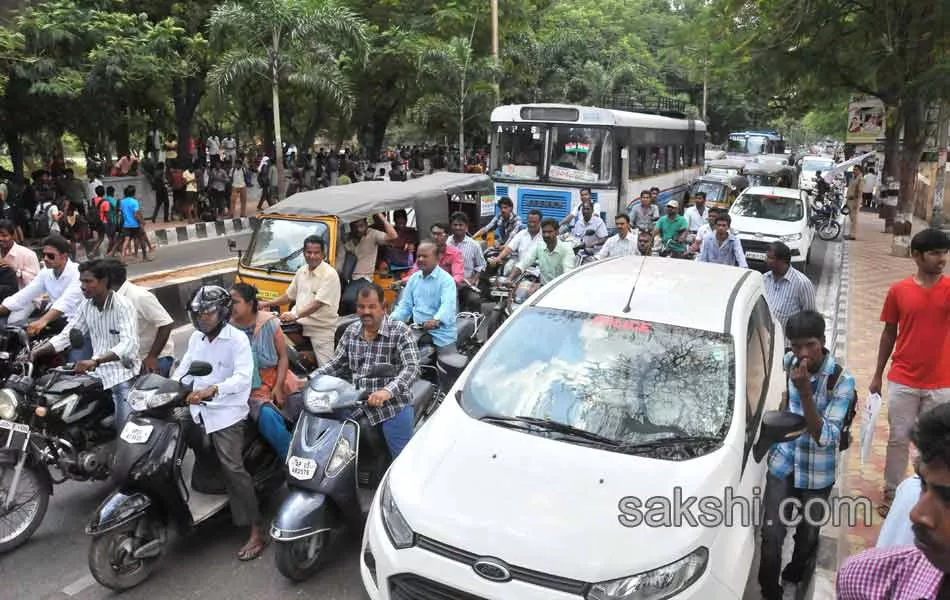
point(678, 440)
point(549, 425)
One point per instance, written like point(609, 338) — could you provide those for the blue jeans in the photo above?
point(85, 353)
point(273, 428)
point(120, 395)
point(165, 365)
point(398, 430)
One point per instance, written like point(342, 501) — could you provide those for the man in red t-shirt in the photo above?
point(916, 318)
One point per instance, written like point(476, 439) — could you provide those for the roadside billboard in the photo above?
point(865, 120)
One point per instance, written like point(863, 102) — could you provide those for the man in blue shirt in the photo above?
point(722, 246)
point(430, 299)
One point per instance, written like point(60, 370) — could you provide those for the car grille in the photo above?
point(561, 584)
point(763, 247)
point(407, 586)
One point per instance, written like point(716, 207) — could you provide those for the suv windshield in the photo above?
point(278, 245)
point(777, 208)
point(517, 151)
point(580, 154)
point(715, 192)
point(630, 381)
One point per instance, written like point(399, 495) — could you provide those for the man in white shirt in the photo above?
point(108, 320)
point(586, 198)
point(59, 280)
point(590, 228)
point(522, 244)
point(219, 402)
point(315, 292)
point(869, 184)
point(622, 244)
point(897, 527)
point(156, 348)
point(697, 214)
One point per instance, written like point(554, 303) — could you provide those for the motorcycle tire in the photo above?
point(829, 230)
point(23, 533)
point(112, 565)
point(300, 559)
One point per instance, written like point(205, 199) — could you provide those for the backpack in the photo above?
point(41, 227)
point(844, 442)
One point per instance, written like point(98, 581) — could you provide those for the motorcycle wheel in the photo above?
point(299, 559)
point(829, 230)
point(110, 556)
point(32, 506)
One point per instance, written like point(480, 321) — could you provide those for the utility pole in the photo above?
point(494, 45)
point(705, 85)
point(943, 138)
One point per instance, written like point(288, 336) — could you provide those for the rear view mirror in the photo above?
point(199, 368)
point(777, 427)
point(382, 370)
point(76, 339)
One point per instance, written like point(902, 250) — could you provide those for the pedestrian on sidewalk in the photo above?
point(916, 318)
point(854, 196)
point(920, 570)
point(240, 181)
point(787, 290)
point(159, 181)
point(822, 391)
point(134, 223)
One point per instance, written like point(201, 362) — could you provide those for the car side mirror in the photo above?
point(777, 427)
point(76, 339)
point(199, 368)
point(382, 370)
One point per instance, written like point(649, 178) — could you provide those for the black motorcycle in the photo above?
point(54, 427)
point(336, 461)
point(131, 527)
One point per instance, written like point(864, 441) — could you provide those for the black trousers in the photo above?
point(805, 554)
point(229, 446)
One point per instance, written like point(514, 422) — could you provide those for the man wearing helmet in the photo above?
point(219, 401)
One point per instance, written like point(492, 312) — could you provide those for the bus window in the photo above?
point(517, 151)
point(681, 156)
point(583, 154)
point(642, 164)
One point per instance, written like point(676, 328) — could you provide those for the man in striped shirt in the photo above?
point(110, 322)
point(472, 257)
point(787, 290)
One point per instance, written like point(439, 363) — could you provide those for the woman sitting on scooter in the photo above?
point(271, 380)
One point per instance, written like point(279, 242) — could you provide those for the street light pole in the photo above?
point(494, 45)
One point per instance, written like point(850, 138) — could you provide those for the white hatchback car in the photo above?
point(612, 385)
point(762, 215)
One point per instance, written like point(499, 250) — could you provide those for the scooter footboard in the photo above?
point(303, 514)
point(117, 510)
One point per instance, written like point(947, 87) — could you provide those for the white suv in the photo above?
point(609, 385)
point(762, 215)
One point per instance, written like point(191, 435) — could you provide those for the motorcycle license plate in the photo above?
point(13, 435)
point(755, 256)
point(301, 468)
point(136, 434)
point(499, 294)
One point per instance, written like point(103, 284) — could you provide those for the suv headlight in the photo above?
point(8, 404)
point(657, 584)
point(791, 238)
point(398, 530)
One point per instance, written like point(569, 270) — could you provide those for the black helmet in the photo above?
point(206, 299)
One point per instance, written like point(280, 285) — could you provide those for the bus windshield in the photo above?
point(753, 144)
point(517, 151)
point(580, 154)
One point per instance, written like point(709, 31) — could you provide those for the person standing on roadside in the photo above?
point(916, 337)
point(787, 290)
point(804, 468)
point(855, 194)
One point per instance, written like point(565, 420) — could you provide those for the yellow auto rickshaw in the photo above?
point(275, 250)
point(721, 190)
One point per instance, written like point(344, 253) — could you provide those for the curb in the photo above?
point(833, 547)
point(199, 231)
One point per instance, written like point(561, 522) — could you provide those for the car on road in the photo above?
point(762, 215)
point(610, 386)
point(809, 166)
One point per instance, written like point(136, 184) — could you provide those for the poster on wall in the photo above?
point(865, 120)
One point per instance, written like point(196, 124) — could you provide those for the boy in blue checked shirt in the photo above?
point(805, 467)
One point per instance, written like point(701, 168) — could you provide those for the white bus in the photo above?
point(542, 155)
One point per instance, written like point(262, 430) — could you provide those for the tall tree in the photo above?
point(286, 42)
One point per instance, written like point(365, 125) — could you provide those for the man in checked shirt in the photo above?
point(373, 340)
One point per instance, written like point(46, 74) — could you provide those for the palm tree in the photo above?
point(595, 84)
point(456, 80)
point(296, 42)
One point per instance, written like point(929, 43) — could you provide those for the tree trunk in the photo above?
point(187, 95)
point(278, 145)
point(890, 171)
point(462, 133)
point(915, 137)
point(15, 147)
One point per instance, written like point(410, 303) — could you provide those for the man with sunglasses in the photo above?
point(60, 281)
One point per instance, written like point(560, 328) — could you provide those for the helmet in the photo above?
point(206, 299)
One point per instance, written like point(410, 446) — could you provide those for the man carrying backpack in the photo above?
point(824, 393)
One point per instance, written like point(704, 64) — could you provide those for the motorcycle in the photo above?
point(582, 253)
point(824, 217)
point(59, 420)
point(130, 529)
point(334, 465)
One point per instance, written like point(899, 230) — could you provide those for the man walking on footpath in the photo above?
point(787, 290)
point(916, 318)
point(855, 194)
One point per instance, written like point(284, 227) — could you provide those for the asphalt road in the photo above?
point(52, 565)
point(188, 254)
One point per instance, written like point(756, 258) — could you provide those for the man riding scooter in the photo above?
point(553, 257)
point(375, 339)
point(219, 402)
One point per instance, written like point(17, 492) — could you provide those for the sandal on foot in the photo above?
point(253, 551)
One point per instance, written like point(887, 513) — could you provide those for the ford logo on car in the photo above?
point(492, 569)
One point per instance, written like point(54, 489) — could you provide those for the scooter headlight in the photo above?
point(142, 400)
point(319, 402)
point(658, 584)
point(8, 404)
point(398, 530)
point(343, 453)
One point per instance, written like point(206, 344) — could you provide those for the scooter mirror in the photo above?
point(199, 368)
point(382, 370)
point(76, 339)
